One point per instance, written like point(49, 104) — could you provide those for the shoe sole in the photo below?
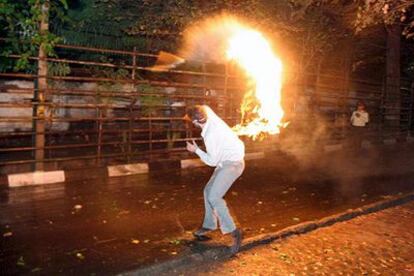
point(201, 238)
point(234, 249)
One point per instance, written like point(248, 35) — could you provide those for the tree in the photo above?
point(20, 25)
point(372, 12)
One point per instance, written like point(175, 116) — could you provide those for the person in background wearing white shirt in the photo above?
point(359, 121)
point(225, 151)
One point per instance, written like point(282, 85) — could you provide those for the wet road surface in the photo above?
point(112, 225)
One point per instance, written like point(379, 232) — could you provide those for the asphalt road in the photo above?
point(112, 225)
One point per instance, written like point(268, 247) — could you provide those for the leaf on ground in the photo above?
point(147, 201)
point(123, 212)
point(296, 219)
point(234, 193)
point(175, 242)
point(284, 257)
point(8, 234)
point(80, 256)
point(135, 241)
point(21, 262)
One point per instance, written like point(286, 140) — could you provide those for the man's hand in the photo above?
point(192, 147)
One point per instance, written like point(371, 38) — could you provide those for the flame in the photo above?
point(225, 37)
point(261, 108)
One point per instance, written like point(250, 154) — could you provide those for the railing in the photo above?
point(121, 110)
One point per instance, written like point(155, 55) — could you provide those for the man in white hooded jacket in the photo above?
point(225, 151)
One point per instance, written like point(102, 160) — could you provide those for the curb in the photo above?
point(51, 177)
point(298, 229)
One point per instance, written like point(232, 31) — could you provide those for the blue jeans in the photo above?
point(215, 206)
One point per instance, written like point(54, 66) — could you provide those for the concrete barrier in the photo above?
point(35, 178)
point(127, 169)
point(331, 148)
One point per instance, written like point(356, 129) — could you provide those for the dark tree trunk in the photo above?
point(392, 82)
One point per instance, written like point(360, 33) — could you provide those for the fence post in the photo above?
point(130, 122)
point(134, 62)
point(40, 97)
point(99, 144)
point(228, 99)
point(410, 114)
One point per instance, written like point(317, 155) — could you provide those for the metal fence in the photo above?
point(103, 106)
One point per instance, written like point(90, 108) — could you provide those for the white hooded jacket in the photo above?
point(222, 144)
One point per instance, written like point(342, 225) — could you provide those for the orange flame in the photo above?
point(261, 108)
point(226, 38)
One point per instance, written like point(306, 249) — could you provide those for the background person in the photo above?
point(359, 121)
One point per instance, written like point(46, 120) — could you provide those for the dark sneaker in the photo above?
point(237, 238)
point(201, 233)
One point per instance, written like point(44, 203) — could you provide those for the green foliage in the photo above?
point(19, 22)
point(58, 69)
point(149, 102)
point(386, 12)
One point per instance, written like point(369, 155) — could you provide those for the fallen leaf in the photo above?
point(296, 219)
point(77, 207)
point(259, 202)
point(124, 212)
point(175, 242)
point(80, 256)
point(134, 241)
point(173, 253)
point(147, 201)
point(283, 257)
point(146, 241)
point(21, 262)
point(234, 193)
point(273, 225)
point(8, 234)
